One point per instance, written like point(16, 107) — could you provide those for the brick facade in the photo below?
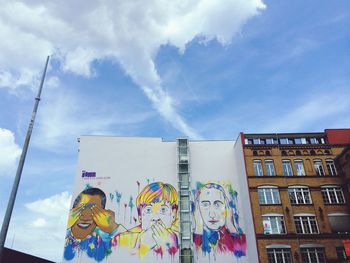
point(308, 152)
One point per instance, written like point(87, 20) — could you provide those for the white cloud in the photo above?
point(9, 152)
point(55, 206)
point(39, 222)
point(129, 32)
point(40, 230)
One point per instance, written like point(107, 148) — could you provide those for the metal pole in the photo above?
point(12, 198)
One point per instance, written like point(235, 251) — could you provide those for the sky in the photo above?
point(197, 68)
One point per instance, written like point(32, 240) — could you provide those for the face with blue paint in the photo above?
point(157, 211)
point(213, 208)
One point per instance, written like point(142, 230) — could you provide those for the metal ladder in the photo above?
point(183, 170)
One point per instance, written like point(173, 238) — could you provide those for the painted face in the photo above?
point(212, 206)
point(158, 211)
point(85, 225)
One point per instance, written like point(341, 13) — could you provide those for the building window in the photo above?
point(306, 224)
point(268, 195)
point(269, 141)
point(332, 195)
point(299, 195)
point(297, 140)
point(312, 255)
point(314, 141)
point(339, 222)
point(299, 167)
point(270, 168)
point(273, 224)
point(279, 255)
point(258, 171)
point(284, 141)
point(256, 141)
point(318, 167)
point(331, 167)
point(287, 168)
point(341, 255)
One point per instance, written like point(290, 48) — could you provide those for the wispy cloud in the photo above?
point(318, 108)
point(63, 118)
point(126, 32)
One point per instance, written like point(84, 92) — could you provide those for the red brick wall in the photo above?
point(338, 136)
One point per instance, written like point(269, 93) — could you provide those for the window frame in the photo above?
point(284, 250)
point(341, 255)
point(271, 192)
point(290, 168)
point(258, 162)
point(299, 161)
point(268, 168)
point(310, 218)
point(302, 189)
point(316, 249)
point(278, 220)
point(326, 194)
point(331, 168)
point(317, 165)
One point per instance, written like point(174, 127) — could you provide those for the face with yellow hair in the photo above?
point(157, 203)
point(161, 212)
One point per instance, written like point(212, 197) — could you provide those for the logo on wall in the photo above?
point(87, 174)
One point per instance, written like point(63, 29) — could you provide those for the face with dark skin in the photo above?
point(85, 224)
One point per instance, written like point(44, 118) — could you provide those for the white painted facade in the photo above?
point(126, 165)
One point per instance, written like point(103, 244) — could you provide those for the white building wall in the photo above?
point(125, 165)
point(222, 163)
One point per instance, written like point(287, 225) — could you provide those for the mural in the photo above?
point(96, 232)
point(216, 221)
point(157, 206)
point(90, 226)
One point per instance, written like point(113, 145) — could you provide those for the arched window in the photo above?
point(278, 253)
point(258, 171)
point(299, 167)
point(312, 253)
point(318, 167)
point(273, 224)
point(332, 194)
point(287, 168)
point(268, 195)
point(332, 171)
point(270, 168)
point(305, 224)
point(299, 195)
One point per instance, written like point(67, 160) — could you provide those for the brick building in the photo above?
point(300, 205)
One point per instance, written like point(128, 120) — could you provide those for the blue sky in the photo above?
point(203, 69)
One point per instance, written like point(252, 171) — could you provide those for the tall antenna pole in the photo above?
point(12, 198)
